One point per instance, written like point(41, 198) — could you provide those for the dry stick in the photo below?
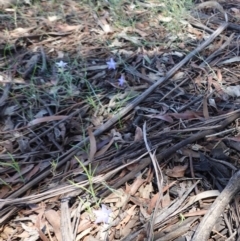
point(213, 55)
point(205, 227)
point(179, 229)
point(66, 228)
point(64, 158)
point(201, 16)
point(158, 172)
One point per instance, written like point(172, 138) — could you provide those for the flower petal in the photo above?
point(102, 215)
point(111, 64)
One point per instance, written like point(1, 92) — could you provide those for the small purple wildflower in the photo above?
point(102, 214)
point(111, 64)
point(121, 81)
point(61, 64)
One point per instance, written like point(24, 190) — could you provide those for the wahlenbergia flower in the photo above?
point(121, 81)
point(102, 215)
point(111, 64)
point(61, 64)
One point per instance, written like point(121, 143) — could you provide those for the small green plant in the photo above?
point(86, 205)
point(86, 146)
point(67, 82)
point(14, 164)
point(90, 174)
point(7, 51)
point(92, 102)
point(111, 189)
point(93, 98)
point(5, 183)
point(116, 145)
point(121, 101)
point(54, 164)
point(181, 217)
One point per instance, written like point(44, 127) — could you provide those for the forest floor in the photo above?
point(119, 120)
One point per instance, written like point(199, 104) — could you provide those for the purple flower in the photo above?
point(121, 81)
point(111, 64)
point(61, 64)
point(102, 215)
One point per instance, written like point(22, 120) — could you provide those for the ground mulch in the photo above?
point(118, 131)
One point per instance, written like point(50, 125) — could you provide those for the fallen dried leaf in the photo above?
point(138, 134)
point(177, 171)
point(187, 115)
point(130, 212)
point(46, 119)
point(165, 117)
point(54, 219)
point(145, 191)
point(135, 186)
